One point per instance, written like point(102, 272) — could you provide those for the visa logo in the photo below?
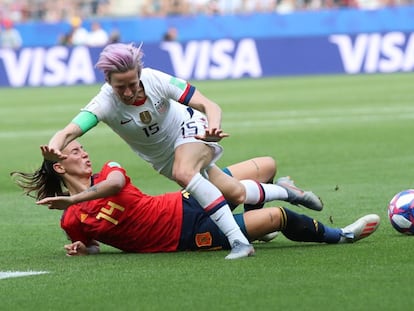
point(48, 66)
point(376, 53)
point(221, 59)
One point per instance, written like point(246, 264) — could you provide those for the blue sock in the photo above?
point(332, 235)
point(302, 228)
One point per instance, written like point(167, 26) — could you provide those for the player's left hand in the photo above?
point(212, 135)
point(76, 249)
point(60, 203)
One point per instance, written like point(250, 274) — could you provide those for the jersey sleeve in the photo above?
point(100, 105)
point(73, 227)
point(109, 167)
point(172, 87)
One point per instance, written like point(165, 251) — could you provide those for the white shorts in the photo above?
point(196, 125)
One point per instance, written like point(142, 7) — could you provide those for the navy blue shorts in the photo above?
point(198, 231)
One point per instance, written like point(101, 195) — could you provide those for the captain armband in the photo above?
point(85, 120)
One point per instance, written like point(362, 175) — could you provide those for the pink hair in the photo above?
point(120, 57)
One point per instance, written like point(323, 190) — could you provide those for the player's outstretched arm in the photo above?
point(113, 183)
point(59, 141)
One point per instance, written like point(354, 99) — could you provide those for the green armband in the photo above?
point(85, 120)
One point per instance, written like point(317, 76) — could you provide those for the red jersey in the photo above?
point(130, 220)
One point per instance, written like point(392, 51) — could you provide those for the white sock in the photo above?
point(274, 192)
point(214, 204)
point(266, 193)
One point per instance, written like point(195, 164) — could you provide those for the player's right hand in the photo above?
point(51, 154)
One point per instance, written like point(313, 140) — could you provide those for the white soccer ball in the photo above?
point(401, 212)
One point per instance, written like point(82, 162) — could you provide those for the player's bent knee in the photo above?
point(270, 167)
point(237, 196)
point(183, 178)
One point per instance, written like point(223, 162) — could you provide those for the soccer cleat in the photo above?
point(268, 237)
point(297, 196)
point(360, 229)
point(240, 250)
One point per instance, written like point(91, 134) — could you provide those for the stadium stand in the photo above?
point(20, 11)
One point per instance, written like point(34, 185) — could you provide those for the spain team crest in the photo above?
point(203, 239)
point(145, 117)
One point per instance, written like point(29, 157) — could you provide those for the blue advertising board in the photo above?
point(220, 59)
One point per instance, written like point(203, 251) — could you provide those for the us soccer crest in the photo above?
point(145, 117)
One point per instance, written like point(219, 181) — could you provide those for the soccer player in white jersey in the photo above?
point(174, 127)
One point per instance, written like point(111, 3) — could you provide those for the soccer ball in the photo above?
point(401, 212)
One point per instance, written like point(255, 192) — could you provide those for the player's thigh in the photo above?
point(190, 158)
point(261, 169)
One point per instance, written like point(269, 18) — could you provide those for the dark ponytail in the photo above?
point(42, 183)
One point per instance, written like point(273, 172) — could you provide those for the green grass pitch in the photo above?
point(347, 138)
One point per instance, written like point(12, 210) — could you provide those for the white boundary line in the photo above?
point(15, 274)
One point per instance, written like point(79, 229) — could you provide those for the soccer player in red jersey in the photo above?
point(106, 207)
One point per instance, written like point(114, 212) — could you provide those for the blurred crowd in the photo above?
point(75, 11)
point(61, 10)
point(94, 37)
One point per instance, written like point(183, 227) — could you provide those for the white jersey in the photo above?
point(154, 128)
